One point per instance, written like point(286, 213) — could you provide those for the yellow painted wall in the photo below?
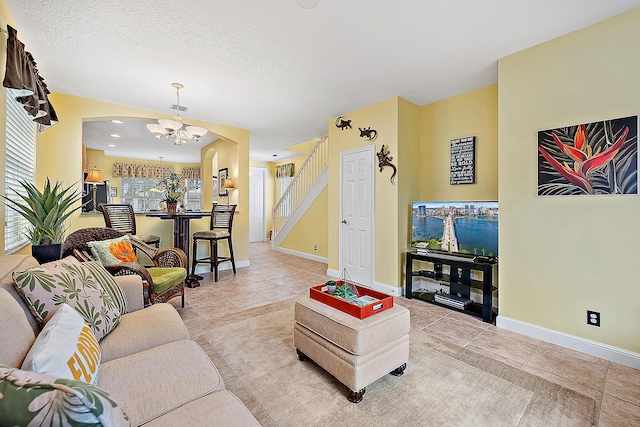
point(471, 114)
point(562, 256)
point(408, 180)
point(59, 157)
point(311, 229)
point(382, 117)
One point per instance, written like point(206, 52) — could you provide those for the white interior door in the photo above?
point(356, 228)
point(257, 231)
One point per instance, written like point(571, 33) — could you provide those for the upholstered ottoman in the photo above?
point(356, 352)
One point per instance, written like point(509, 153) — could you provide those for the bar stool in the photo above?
point(121, 217)
point(219, 229)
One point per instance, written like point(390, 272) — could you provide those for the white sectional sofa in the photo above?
point(150, 368)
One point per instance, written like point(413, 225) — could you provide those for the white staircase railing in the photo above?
point(307, 175)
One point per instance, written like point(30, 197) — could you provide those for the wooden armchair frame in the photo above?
point(76, 245)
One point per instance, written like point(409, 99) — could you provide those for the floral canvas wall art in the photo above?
point(589, 159)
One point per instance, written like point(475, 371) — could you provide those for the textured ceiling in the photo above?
point(280, 70)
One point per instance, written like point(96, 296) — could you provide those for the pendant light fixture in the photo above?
point(172, 129)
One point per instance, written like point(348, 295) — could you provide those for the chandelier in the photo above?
point(172, 129)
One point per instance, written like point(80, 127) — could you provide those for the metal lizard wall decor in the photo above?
point(384, 159)
point(368, 133)
point(343, 124)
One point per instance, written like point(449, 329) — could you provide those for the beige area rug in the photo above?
point(443, 385)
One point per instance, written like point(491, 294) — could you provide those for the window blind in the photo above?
point(20, 151)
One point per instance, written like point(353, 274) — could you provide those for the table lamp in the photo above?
point(228, 185)
point(94, 176)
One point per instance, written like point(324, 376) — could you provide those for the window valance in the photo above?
point(284, 171)
point(132, 170)
point(22, 75)
point(191, 173)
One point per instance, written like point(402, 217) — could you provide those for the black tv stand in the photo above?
point(459, 281)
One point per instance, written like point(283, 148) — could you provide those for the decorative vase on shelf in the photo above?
point(171, 207)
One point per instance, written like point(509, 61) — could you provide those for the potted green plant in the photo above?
point(46, 211)
point(173, 186)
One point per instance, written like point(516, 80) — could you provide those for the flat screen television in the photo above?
point(455, 227)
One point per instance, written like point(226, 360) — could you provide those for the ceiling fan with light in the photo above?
point(173, 129)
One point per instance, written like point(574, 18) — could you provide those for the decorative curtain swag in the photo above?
point(22, 75)
point(191, 173)
point(284, 171)
point(130, 170)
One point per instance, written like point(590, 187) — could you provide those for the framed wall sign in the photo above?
point(463, 161)
point(222, 175)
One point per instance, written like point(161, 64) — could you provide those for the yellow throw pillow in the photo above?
point(113, 251)
point(66, 348)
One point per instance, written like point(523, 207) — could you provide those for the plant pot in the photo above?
point(171, 207)
point(47, 253)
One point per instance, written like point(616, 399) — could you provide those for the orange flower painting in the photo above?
point(123, 251)
point(593, 158)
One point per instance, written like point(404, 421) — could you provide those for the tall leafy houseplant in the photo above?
point(45, 210)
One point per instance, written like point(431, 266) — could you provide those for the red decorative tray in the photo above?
point(385, 301)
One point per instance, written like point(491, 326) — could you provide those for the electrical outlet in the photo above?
point(315, 247)
point(593, 318)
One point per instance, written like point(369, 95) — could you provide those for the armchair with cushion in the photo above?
point(162, 282)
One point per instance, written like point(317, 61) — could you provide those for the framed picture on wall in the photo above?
point(222, 175)
point(593, 159)
point(113, 191)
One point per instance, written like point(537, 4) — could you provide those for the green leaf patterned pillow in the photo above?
point(30, 399)
point(46, 287)
point(111, 287)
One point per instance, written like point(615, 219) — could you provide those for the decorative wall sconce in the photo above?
point(343, 124)
point(368, 133)
point(384, 159)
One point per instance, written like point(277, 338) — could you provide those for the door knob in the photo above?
point(344, 221)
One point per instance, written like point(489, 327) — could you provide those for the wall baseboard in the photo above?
point(200, 268)
point(603, 351)
point(305, 255)
point(333, 273)
point(377, 286)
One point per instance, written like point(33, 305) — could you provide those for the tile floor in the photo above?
point(274, 276)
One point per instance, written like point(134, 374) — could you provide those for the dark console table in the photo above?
point(181, 235)
point(459, 281)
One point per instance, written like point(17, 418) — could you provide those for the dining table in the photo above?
point(181, 235)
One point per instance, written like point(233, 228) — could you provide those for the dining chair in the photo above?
point(162, 282)
point(219, 229)
point(121, 217)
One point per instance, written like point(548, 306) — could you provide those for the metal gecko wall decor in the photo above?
point(384, 159)
point(343, 124)
point(368, 133)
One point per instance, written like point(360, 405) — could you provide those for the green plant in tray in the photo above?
point(343, 291)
